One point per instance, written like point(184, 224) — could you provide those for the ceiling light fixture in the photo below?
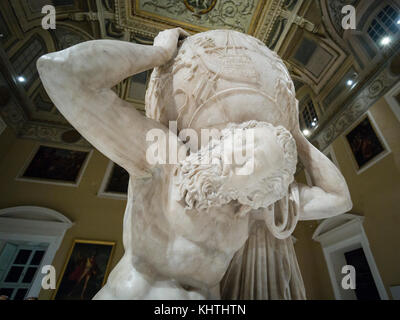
point(385, 41)
point(349, 82)
point(306, 132)
point(21, 79)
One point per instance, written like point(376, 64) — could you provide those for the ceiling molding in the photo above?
point(281, 24)
point(368, 94)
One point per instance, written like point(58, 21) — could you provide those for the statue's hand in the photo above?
point(168, 41)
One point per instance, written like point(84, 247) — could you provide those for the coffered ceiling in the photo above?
point(320, 55)
point(192, 15)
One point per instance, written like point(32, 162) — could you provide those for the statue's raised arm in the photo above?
point(329, 195)
point(79, 80)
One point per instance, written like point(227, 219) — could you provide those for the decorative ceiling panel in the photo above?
point(202, 14)
point(320, 66)
point(150, 16)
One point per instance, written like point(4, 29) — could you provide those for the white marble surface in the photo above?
point(184, 224)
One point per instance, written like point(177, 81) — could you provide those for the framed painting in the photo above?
point(55, 165)
point(85, 271)
point(366, 143)
point(115, 182)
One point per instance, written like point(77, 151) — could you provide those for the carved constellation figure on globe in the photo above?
point(188, 226)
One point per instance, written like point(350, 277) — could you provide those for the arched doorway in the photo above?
point(29, 239)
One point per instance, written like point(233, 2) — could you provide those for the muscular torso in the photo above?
point(164, 241)
point(192, 246)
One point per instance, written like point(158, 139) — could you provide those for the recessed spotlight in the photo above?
point(385, 41)
point(349, 82)
point(306, 132)
point(313, 123)
point(398, 21)
point(21, 79)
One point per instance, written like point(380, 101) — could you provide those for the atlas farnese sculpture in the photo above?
point(200, 230)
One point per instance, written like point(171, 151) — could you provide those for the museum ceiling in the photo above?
point(337, 73)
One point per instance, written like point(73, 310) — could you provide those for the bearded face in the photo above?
point(261, 177)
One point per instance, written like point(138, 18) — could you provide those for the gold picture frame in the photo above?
point(85, 270)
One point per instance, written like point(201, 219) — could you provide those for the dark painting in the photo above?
point(365, 283)
point(86, 270)
point(57, 164)
point(118, 181)
point(364, 143)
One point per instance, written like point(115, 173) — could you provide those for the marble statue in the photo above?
point(190, 230)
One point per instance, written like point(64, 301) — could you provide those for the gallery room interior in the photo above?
point(64, 198)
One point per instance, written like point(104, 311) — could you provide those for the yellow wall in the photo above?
point(7, 139)
point(376, 195)
point(310, 258)
point(312, 263)
point(95, 218)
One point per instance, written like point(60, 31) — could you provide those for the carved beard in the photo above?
point(203, 180)
point(200, 184)
point(203, 186)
